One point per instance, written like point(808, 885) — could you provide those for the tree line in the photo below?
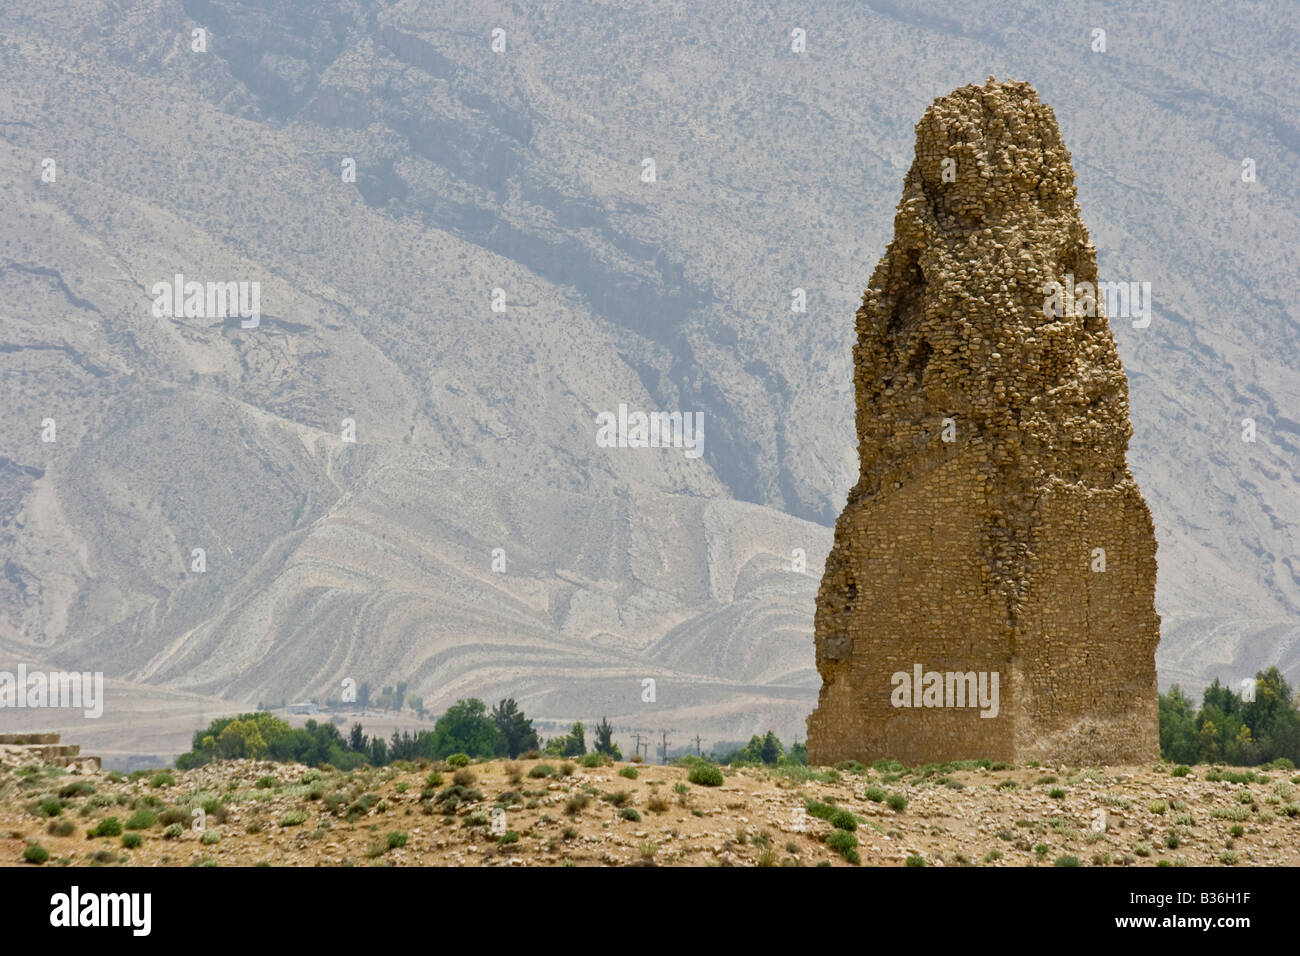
point(1230, 729)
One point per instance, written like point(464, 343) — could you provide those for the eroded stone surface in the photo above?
point(978, 554)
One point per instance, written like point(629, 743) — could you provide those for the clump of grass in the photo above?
point(1056, 793)
point(897, 802)
point(109, 826)
point(628, 813)
point(1067, 860)
point(576, 804)
point(173, 831)
point(629, 772)
point(265, 783)
point(844, 843)
point(141, 820)
point(1158, 806)
point(210, 837)
point(657, 804)
point(1228, 858)
point(79, 788)
point(1230, 813)
point(132, 840)
point(540, 770)
point(1181, 770)
point(464, 777)
point(875, 794)
point(35, 853)
point(293, 818)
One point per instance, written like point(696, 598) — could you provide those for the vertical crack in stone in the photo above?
point(953, 335)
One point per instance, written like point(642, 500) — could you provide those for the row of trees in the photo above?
point(765, 749)
point(467, 727)
point(1229, 728)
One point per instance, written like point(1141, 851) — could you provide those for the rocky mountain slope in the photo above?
point(521, 171)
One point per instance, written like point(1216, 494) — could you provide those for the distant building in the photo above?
point(306, 707)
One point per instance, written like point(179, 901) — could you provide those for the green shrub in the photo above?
point(897, 802)
point(163, 778)
point(458, 760)
point(132, 841)
point(49, 807)
point(628, 813)
point(1182, 770)
point(79, 788)
point(629, 772)
point(141, 820)
point(887, 766)
point(109, 826)
point(265, 783)
point(66, 827)
point(293, 818)
point(173, 831)
point(875, 794)
point(1066, 861)
point(915, 861)
point(593, 759)
point(705, 775)
point(397, 838)
point(210, 837)
point(843, 820)
point(1056, 793)
point(35, 853)
point(510, 836)
point(543, 770)
point(844, 843)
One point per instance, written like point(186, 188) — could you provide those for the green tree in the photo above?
point(772, 750)
point(516, 730)
point(467, 728)
point(605, 740)
point(1178, 735)
point(577, 740)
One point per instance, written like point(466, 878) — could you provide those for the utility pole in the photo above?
point(665, 745)
point(638, 744)
point(698, 752)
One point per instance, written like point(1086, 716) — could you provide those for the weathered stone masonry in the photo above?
point(977, 554)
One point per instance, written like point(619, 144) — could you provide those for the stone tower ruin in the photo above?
point(991, 589)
